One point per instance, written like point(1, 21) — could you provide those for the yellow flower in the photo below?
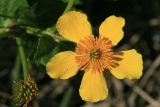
point(93, 55)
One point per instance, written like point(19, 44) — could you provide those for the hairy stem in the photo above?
point(15, 77)
point(67, 9)
point(69, 6)
point(23, 58)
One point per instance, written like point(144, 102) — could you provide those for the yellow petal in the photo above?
point(74, 26)
point(93, 86)
point(130, 65)
point(62, 66)
point(111, 28)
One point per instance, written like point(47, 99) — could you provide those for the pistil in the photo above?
point(94, 54)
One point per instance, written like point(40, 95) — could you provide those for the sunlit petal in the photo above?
point(111, 28)
point(62, 65)
point(74, 26)
point(130, 65)
point(93, 86)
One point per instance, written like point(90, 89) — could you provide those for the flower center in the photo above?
point(94, 53)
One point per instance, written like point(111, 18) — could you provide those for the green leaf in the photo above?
point(15, 12)
point(43, 60)
point(47, 11)
point(30, 45)
point(44, 46)
point(59, 47)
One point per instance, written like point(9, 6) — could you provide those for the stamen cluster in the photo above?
point(27, 90)
point(94, 53)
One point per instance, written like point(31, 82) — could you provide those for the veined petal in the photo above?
point(130, 66)
point(62, 66)
point(74, 26)
point(93, 86)
point(111, 28)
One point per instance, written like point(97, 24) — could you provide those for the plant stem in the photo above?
point(31, 30)
point(3, 32)
point(69, 6)
point(67, 97)
point(15, 77)
point(16, 69)
point(23, 58)
point(67, 9)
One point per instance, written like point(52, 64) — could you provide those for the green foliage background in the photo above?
point(34, 22)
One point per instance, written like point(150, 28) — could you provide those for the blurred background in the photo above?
point(142, 32)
